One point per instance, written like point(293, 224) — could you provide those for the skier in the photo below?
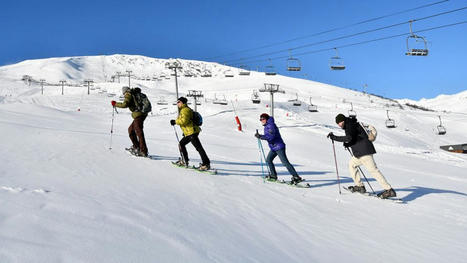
point(190, 134)
point(277, 146)
point(363, 149)
point(135, 131)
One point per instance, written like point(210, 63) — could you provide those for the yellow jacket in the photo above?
point(185, 120)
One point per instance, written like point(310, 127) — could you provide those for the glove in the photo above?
point(346, 144)
point(172, 122)
point(331, 136)
point(113, 103)
point(257, 135)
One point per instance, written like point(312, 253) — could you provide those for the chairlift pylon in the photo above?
point(336, 62)
point(440, 127)
point(390, 123)
point(416, 51)
point(293, 64)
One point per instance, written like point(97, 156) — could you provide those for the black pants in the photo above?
point(197, 144)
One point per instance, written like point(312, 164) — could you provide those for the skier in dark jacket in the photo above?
point(363, 149)
point(277, 146)
point(135, 131)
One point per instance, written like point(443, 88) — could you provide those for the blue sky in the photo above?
point(205, 29)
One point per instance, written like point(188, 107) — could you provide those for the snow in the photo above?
point(66, 197)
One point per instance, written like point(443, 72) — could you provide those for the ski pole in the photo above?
point(112, 127)
point(264, 155)
point(261, 160)
point(360, 169)
point(337, 170)
point(178, 141)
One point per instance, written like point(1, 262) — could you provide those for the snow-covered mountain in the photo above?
point(454, 103)
point(70, 193)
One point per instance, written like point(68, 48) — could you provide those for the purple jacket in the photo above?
point(272, 135)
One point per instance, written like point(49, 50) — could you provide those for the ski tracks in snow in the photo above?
point(17, 190)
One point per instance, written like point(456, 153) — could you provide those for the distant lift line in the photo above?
point(329, 30)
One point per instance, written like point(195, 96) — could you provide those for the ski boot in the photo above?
point(296, 179)
point(356, 188)
point(387, 193)
point(204, 167)
point(132, 150)
point(271, 178)
point(180, 162)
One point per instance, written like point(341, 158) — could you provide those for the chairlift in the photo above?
point(162, 101)
point(390, 123)
point(312, 107)
point(269, 69)
point(440, 127)
point(352, 113)
point(228, 73)
point(219, 101)
point(244, 70)
point(416, 51)
point(336, 62)
point(293, 64)
point(255, 97)
point(296, 102)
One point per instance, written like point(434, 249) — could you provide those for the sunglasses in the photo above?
point(261, 119)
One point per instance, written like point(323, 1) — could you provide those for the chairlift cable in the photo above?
point(327, 31)
point(346, 36)
point(357, 43)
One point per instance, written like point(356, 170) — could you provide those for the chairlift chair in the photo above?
point(336, 62)
point(244, 70)
point(296, 102)
point(416, 51)
point(162, 101)
point(352, 113)
point(390, 123)
point(312, 107)
point(293, 64)
point(255, 97)
point(206, 74)
point(228, 73)
point(269, 69)
point(440, 127)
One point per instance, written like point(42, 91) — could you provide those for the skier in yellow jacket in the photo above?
point(190, 134)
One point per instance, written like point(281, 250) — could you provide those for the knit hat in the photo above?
point(183, 100)
point(340, 118)
point(125, 89)
point(264, 116)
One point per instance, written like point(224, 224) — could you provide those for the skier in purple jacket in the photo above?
point(277, 146)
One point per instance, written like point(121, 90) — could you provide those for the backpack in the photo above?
point(370, 131)
point(142, 102)
point(197, 119)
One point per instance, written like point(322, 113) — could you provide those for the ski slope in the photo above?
point(70, 193)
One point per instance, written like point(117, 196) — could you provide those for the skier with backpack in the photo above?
point(360, 141)
point(140, 106)
point(189, 121)
point(277, 146)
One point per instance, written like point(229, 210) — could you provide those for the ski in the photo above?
point(289, 183)
point(393, 199)
point(210, 171)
